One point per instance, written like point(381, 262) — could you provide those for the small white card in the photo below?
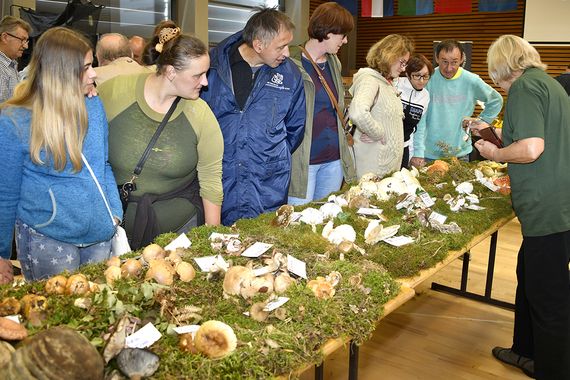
point(205, 263)
point(223, 237)
point(257, 249)
point(474, 207)
point(181, 241)
point(406, 202)
point(426, 198)
point(437, 217)
point(275, 304)
point(369, 211)
point(295, 216)
point(144, 337)
point(296, 266)
point(14, 318)
point(398, 241)
point(261, 271)
point(187, 329)
point(489, 185)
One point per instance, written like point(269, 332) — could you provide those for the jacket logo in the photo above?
point(277, 78)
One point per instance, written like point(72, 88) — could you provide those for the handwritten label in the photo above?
point(144, 337)
point(261, 271)
point(257, 249)
point(369, 211)
point(275, 304)
point(181, 241)
point(426, 198)
point(398, 241)
point(296, 266)
point(205, 263)
point(438, 218)
point(187, 329)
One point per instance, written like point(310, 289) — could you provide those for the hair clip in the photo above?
point(166, 35)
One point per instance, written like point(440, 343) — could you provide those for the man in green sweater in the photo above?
point(454, 92)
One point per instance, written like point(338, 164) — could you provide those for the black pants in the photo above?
point(542, 305)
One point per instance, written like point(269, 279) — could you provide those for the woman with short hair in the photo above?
point(53, 160)
point(323, 159)
point(536, 139)
point(376, 108)
point(180, 185)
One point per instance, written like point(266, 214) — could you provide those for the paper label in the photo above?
point(261, 271)
point(223, 237)
point(398, 241)
point(369, 211)
point(474, 207)
point(187, 329)
point(14, 318)
point(205, 263)
point(426, 198)
point(437, 217)
point(406, 202)
point(144, 337)
point(257, 249)
point(295, 216)
point(489, 185)
point(275, 304)
point(181, 241)
point(296, 266)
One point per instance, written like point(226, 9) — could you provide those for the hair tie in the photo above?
point(164, 36)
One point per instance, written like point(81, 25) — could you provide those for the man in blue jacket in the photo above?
point(256, 93)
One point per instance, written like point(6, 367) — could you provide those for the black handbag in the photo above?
point(126, 188)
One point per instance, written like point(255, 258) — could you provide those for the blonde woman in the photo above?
point(49, 130)
point(376, 108)
point(536, 138)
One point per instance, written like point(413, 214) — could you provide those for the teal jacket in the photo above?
point(302, 156)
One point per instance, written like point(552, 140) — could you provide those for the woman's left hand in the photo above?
point(92, 92)
point(487, 149)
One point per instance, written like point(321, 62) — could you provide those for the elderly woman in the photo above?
point(536, 138)
point(376, 108)
point(415, 98)
point(323, 159)
point(180, 185)
point(58, 188)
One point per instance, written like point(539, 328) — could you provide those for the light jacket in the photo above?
point(258, 139)
point(62, 205)
point(302, 156)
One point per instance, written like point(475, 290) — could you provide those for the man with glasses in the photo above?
point(454, 92)
point(14, 34)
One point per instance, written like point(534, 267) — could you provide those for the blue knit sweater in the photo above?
point(62, 205)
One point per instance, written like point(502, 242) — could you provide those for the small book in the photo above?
point(490, 135)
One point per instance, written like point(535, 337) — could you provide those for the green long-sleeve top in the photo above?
point(191, 144)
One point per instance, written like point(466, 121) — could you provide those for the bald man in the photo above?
point(115, 58)
point(137, 44)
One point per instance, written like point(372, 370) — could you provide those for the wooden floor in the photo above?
point(440, 336)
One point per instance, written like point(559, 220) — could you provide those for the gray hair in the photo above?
point(265, 25)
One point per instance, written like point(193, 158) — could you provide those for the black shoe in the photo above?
point(508, 356)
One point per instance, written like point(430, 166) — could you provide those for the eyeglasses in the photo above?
point(403, 63)
point(23, 40)
point(420, 77)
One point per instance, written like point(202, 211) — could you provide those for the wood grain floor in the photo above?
point(439, 336)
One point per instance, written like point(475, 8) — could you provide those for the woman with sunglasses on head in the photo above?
point(180, 185)
point(376, 109)
point(415, 98)
point(58, 188)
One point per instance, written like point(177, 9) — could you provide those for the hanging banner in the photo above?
point(497, 5)
point(452, 6)
point(415, 7)
point(377, 8)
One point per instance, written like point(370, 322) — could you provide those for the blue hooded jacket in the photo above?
point(258, 139)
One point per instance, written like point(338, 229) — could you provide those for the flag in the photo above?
point(415, 7)
point(377, 8)
point(350, 5)
point(497, 5)
point(452, 6)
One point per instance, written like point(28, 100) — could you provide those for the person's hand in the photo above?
point(6, 272)
point(474, 125)
point(487, 149)
point(418, 162)
point(92, 92)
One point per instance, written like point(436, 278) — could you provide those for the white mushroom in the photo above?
point(464, 188)
point(330, 210)
point(342, 233)
point(312, 217)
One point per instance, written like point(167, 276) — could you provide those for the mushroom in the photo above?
point(153, 252)
point(114, 261)
point(312, 217)
point(77, 284)
point(131, 268)
point(186, 343)
point(283, 216)
point(137, 363)
point(341, 233)
point(9, 306)
point(237, 277)
point(56, 285)
point(330, 210)
point(282, 282)
point(257, 313)
point(186, 271)
point(215, 339)
point(111, 274)
point(321, 288)
point(161, 272)
point(33, 306)
point(10, 330)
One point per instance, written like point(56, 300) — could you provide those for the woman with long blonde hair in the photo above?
point(59, 191)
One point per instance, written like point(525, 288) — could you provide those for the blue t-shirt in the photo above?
point(324, 147)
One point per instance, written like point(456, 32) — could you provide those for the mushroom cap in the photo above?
point(137, 363)
point(215, 339)
point(236, 277)
point(10, 330)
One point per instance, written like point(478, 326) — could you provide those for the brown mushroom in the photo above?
point(56, 285)
point(9, 306)
point(10, 330)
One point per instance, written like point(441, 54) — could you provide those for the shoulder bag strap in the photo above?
point(144, 157)
point(328, 90)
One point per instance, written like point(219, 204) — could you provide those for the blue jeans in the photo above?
point(42, 257)
point(323, 179)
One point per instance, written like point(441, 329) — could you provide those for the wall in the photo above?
point(481, 28)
